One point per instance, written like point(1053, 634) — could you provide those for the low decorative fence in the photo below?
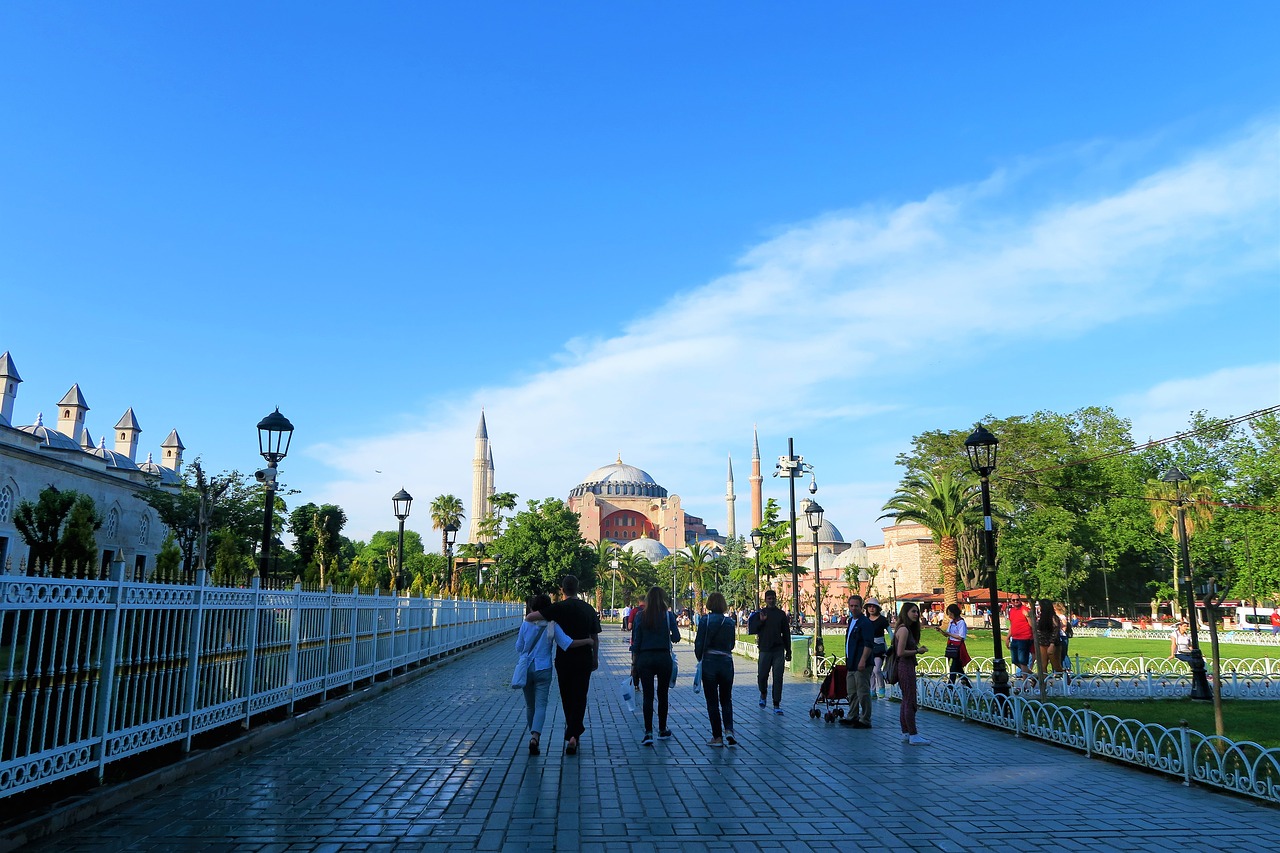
point(94, 671)
point(1241, 767)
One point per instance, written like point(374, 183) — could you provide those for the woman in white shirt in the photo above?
point(957, 653)
point(542, 638)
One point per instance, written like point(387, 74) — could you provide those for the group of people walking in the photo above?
point(868, 653)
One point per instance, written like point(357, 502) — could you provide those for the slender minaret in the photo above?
point(489, 480)
point(172, 447)
point(729, 498)
point(757, 500)
point(71, 412)
point(127, 432)
point(9, 380)
point(479, 480)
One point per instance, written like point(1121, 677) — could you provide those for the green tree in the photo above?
point(699, 561)
point(447, 510)
point(40, 524)
point(78, 546)
point(169, 560)
point(946, 505)
point(542, 544)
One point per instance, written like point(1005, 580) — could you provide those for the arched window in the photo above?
point(144, 529)
point(6, 503)
point(112, 527)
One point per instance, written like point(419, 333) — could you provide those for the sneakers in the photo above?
point(777, 710)
point(648, 739)
point(729, 739)
point(664, 734)
point(880, 693)
point(762, 703)
point(917, 740)
point(715, 741)
point(906, 738)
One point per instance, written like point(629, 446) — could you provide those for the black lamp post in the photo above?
point(893, 576)
point(1199, 680)
point(793, 467)
point(981, 448)
point(274, 435)
point(400, 503)
point(813, 513)
point(450, 536)
point(757, 542)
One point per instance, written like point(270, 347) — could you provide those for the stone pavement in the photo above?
point(441, 764)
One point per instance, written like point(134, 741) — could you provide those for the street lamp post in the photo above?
point(893, 576)
point(401, 501)
point(757, 542)
point(274, 435)
point(981, 448)
point(793, 467)
point(613, 591)
point(814, 515)
point(450, 536)
point(1199, 680)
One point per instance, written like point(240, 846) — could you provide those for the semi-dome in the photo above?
point(167, 475)
point(652, 549)
point(113, 459)
point(50, 438)
point(619, 480)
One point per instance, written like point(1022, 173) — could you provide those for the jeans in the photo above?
point(859, 687)
point(771, 662)
point(651, 666)
point(1021, 650)
point(717, 688)
point(536, 690)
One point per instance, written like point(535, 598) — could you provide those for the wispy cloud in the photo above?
point(813, 319)
point(1164, 409)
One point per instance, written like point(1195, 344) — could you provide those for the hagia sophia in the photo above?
point(622, 503)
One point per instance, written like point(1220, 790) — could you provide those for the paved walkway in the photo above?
point(441, 764)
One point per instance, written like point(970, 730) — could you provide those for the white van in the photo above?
point(1254, 618)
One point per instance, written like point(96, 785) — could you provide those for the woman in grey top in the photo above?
point(713, 646)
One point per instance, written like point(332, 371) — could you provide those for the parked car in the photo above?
point(1102, 622)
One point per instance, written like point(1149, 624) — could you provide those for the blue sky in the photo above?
point(635, 228)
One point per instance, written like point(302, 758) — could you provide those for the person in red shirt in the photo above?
point(1020, 637)
point(1275, 621)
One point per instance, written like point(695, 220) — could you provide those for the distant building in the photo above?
point(36, 456)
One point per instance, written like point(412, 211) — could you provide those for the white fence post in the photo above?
point(195, 642)
point(295, 636)
point(107, 685)
point(251, 658)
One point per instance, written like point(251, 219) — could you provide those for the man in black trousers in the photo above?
point(573, 666)
point(773, 637)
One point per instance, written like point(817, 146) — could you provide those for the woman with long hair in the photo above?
point(1048, 626)
point(651, 639)
point(906, 641)
point(540, 639)
point(713, 647)
point(957, 654)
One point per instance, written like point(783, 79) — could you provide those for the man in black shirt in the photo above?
point(573, 666)
point(774, 641)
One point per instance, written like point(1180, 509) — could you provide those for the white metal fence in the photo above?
point(93, 671)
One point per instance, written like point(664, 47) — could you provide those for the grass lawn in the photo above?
point(1243, 719)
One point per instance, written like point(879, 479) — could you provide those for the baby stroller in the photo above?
point(833, 695)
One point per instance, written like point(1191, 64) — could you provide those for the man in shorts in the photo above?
point(1020, 637)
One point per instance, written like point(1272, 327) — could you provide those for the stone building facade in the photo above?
point(36, 456)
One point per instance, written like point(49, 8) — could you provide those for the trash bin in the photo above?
point(799, 654)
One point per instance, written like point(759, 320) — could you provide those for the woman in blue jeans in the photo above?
point(713, 646)
point(542, 637)
point(651, 637)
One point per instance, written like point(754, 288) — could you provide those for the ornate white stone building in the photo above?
point(36, 456)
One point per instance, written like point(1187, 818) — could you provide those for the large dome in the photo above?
point(650, 548)
point(619, 480)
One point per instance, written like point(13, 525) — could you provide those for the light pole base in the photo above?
point(1200, 688)
point(999, 678)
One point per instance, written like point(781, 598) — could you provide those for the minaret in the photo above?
point(172, 448)
point(479, 480)
point(489, 479)
point(71, 412)
point(127, 432)
point(9, 380)
point(729, 498)
point(757, 500)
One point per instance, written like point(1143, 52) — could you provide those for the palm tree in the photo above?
point(946, 505)
point(1197, 499)
point(605, 551)
point(699, 559)
point(491, 525)
point(447, 510)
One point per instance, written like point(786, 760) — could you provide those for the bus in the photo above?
point(1254, 618)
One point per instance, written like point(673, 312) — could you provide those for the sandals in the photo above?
point(571, 746)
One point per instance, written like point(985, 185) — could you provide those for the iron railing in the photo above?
point(93, 671)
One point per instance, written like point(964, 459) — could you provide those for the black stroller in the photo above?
point(833, 695)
